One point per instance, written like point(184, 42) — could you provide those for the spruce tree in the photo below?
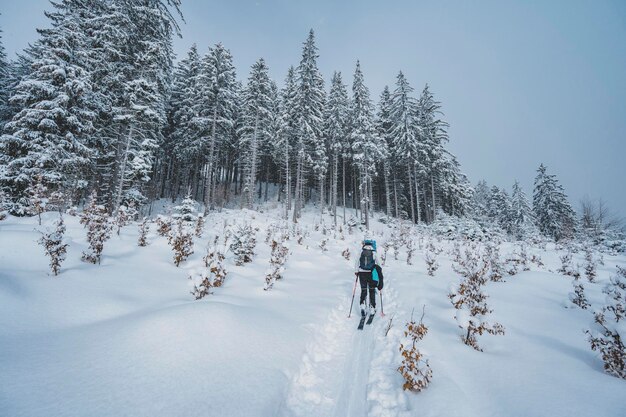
point(555, 217)
point(367, 146)
point(336, 115)
point(216, 109)
point(310, 105)
point(257, 113)
point(405, 132)
point(47, 137)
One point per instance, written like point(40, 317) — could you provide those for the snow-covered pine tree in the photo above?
point(47, 135)
point(216, 110)
point(309, 104)
point(5, 86)
point(499, 208)
point(384, 128)
point(414, 369)
point(255, 129)
point(141, 111)
point(470, 301)
point(405, 132)
point(480, 201)
point(96, 220)
point(336, 114)
point(288, 132)
point(368, 148)
point(521, 214)
point(555, 217)
point(609, 333)
point(183, 146)
point(243, 244)
point(186, 211)
point(54, 245)
point(433, 135)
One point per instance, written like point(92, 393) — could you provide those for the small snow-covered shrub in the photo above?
point(144, 228)
point(323, 245)
point(37, 194)
point(244, 242)
point(567, 267)
point(431, 261)
point(96, 219)
point(470, 301)
point(164, 225)
point(610, 327)
point(212, 276)
point(414, 368)
point(409, 252)
point(54, 246)
point(578, 296)
point(346, 254)
point(492, 256)
point(124, 216)
point(181, 241)
point(590, 264)
point(199, 225)
point(280, 251)
point(383, 255)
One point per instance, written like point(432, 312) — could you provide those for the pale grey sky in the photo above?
point(521, 82)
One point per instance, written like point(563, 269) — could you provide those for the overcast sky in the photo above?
point(521, 83)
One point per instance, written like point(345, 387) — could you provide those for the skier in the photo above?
point(370, 275)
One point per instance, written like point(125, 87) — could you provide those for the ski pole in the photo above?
point(353, 292)
point(382, 309)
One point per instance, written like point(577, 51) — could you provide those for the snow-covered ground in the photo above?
point(126, 338)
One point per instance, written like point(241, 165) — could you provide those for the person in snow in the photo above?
point(370, 275)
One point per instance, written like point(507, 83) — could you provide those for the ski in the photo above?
point(362, 322)
point(370, 318)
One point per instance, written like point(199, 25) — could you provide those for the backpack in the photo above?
point(366, 261)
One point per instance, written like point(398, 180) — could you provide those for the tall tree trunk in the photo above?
point(387, 188)
point(432, 191)
point(252, 164)
point(296, 205)
point(408, 170)
point(417, 196)
point(343, 164)
point(122, 173)
point(208, 198)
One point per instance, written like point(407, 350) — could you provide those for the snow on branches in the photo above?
point(96, 220)
point(469, 299)
point(610, 329)
point(414, 369)
point(53, 245)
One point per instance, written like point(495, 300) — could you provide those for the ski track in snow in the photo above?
point(349, 372)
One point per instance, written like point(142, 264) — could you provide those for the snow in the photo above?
point(127, 338)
